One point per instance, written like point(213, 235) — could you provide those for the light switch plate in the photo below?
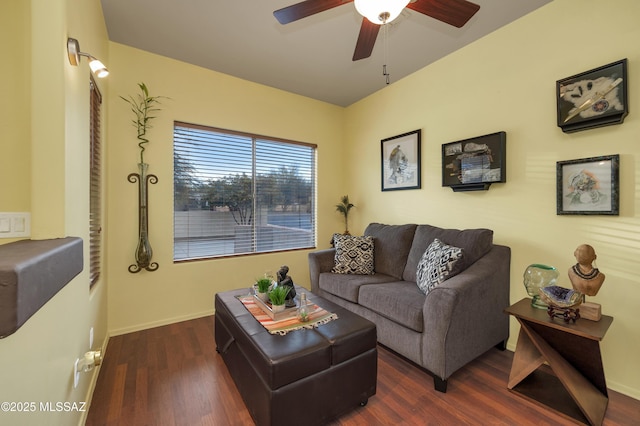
point(15, 224)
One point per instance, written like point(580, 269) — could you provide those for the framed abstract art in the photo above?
point(593, 98)
point(474, 164)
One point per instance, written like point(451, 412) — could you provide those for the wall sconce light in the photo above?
point(73, 50)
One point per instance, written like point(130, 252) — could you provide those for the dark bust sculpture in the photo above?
point(286, 281)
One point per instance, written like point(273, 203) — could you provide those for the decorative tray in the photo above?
point(276, 316)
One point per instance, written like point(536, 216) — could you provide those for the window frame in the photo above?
point(255, 139)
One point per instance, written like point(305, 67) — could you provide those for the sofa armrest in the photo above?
point(320, 261)
point(464, 316)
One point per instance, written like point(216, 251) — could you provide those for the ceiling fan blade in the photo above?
point(306, 8)
point(366, 40)
point(452, 12)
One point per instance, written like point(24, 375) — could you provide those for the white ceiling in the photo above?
point(310, 57)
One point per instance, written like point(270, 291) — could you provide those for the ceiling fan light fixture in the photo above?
point(380, 11)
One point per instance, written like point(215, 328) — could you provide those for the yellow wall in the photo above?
point(44, 169)
point(186, 290)
point(506, 81)
point(15, 92)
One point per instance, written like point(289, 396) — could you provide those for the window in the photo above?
point(95, 184)
point(237, 193)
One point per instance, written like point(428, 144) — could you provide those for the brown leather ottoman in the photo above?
point(304, 377)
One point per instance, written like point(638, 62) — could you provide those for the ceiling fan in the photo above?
point(452, 12)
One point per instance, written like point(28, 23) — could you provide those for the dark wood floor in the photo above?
point(172, 375)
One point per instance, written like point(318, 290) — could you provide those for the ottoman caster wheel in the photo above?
point(363, 403)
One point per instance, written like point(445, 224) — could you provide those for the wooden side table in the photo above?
point(577, 387)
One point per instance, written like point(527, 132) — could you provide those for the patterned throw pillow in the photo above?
point(438, 263)
point(354, 255)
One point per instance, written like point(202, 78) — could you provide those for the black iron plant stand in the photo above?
point(144, 252)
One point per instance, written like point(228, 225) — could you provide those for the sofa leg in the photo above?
point(502, 345)
point(440, 384)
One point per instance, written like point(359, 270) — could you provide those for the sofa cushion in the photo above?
point(347, 286)
point(474, 243)
point(393, 243)
point(399, 301)
point(439, 263)
point(354, 255)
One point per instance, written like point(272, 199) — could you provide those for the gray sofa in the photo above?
point(448, 327)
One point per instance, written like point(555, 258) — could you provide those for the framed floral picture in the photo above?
point(400, 161)
point(589, 186)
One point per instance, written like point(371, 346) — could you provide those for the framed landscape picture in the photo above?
point(593, 98)
point(400, 161)
point(589, 186)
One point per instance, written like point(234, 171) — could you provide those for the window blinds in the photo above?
point(238, 193)
point(95, 184)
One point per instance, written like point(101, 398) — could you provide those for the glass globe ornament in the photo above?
point(535, 277)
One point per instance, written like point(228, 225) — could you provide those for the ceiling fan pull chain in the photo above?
point(385, 48)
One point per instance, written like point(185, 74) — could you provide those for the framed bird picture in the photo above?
point(400, 161)
point(593, 98)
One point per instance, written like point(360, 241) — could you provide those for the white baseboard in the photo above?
point(92, 384)
point(159, 323)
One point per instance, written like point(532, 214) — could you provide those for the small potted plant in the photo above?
point(278, 295)
point(263, 285)
point(343, 208)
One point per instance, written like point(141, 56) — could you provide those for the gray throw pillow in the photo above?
point(438, 263)
point(393, 243)
point(354, 255)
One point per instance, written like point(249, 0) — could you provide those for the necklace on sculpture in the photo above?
point(588, 276)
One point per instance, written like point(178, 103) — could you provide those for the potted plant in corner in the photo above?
point(278, 295)
point(263, 285)
point(344, 207)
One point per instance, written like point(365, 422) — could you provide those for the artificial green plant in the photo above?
point(263, 284)
point(278, 295)
point(143, 106)
point(343, 208)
